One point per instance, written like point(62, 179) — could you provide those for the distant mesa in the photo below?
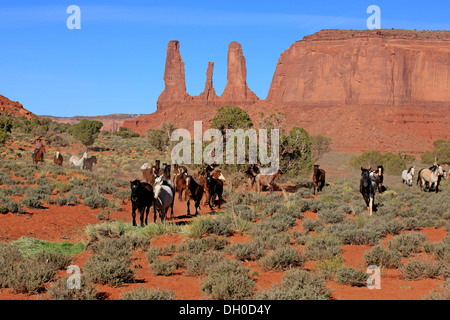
point(366, 89)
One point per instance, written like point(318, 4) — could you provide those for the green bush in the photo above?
point(392, 163)
point(352, 277)
point(149, 294)
point(59, 290)
point(95, 202)
point(297, 285)
point(421, 268)
point(227, 280)
point(163, 267)
point(252, 250)
point(197, 264)
point(281, 259)
point(382, 257)
point(407, 243)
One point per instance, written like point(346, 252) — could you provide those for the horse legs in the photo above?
point(370, 205)
point(146, 215)
point(142, 212)
point(133, 214)
point(188, 210)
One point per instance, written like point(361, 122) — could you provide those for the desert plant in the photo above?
point(352, 277)
point(59, 290)
point(382, 257)
point(149, 294)
point(227, 280)
point(421, 268)
point(281, 259)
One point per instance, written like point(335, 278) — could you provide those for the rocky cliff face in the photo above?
point(364, 67)
point(14, 108)
point(380, 89)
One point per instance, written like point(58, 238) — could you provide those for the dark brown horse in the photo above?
point(194, 191)
point(39, 156)
point(180, 184)
point(318, 178)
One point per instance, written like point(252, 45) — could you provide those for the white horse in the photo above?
point(429, 178)
point(164, 197)
point(77, 161)
point(408, 176)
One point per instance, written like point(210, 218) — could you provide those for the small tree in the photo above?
point(87, 131)
point(231, 117)
point(158, 139)
point(295, 152)
point(319, 146)
point(126, 133)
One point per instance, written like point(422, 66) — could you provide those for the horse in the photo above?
point(77, 161)
point(166, 182)
point(318, 178)
point(209, 170)
point(430, 178)
point(177, 169)
point(251, 172)
point(166, 171)
point(194, 191)
point(164, 198)
point(215, 188)
point(39, 155)
point(89, 163)
point(141, 200)
point(58, 159)
point(368, 187)
point(408, 176)
point(266, 178)
point(180, 185)
point(148, 172)
point(380, 178)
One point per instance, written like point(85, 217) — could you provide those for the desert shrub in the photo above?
point(382, 257)
point(407, 243)
point(149, 294)
point(363, 236)
point(392, 163)
point(421, 268)
point(95, 202)
point(443, 295)
point(9, 257)
point(252, 250)
point(104, 215)
point(61, 186)
point(163, 267)
point(57, 260)
point(329, 267)
point(30, 276)
point(227, 280)
point(31, 202)
point(221, 225)
point(331, 216)
point(273, 241)
point(41, 192)
point(197, 264)
point(7, 205)
point(323, 247)
point(203, 244)
point(107, 188)
point(297, 285)
point(281, 259)
point(59, 290)
point(245, 212)
point(274, 224)
point(110, 262)
point(352, 277)
point(312, 224)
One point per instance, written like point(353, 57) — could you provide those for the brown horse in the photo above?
point(58, 159)
point(318, 178)
point(180, 184)
point(39, 156)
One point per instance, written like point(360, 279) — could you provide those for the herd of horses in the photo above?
point(372, 180)
point(160, 187)
point(160, 184)
point(83, 162)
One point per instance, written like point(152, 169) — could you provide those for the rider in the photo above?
point(37, 145)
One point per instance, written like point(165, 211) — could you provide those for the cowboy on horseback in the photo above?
point(37, 145)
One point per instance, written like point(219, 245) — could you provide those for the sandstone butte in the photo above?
point(374, 89)
point(14, 108)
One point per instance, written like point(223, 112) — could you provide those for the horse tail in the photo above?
point(418, 176)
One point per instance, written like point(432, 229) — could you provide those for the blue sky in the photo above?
point(115, 63)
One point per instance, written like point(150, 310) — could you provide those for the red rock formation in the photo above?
point(377, 89)
point(174, 78)
point(209, 94)
point(14, 108)
point(236, 90)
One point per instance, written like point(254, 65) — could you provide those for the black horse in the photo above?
point(367, 187)
point(215, 189)
point(142, 200)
